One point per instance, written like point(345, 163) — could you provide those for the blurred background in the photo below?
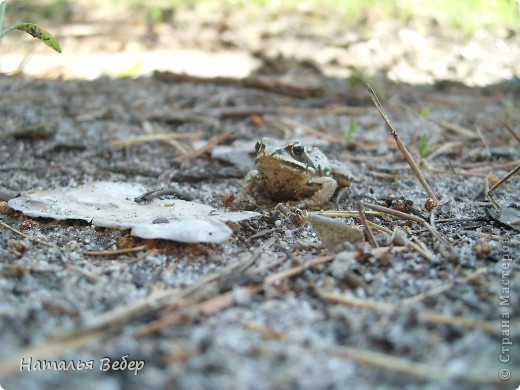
point(476, 42)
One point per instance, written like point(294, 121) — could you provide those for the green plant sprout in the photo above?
point(130, 71)
point(508, 106)
point(423, 145)
point(351, 130)
point(30, 28)
point(425, 112)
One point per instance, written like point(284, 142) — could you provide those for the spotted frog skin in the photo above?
point(292, 171)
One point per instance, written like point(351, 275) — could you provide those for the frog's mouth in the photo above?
point(263, 165)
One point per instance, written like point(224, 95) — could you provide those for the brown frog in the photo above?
point(292, 171)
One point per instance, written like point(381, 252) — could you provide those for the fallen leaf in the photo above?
point(112, 205)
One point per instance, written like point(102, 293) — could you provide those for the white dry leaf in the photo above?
point(112, 205)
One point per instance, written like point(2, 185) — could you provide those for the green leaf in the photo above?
point(423, 145)
point(351, 130)
point(425, 112)
point(348, 133)
point(39, 33)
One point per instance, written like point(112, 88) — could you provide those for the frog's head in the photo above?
point(291, 156)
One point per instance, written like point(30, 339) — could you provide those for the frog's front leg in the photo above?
point(250, 182)
point(326, 188)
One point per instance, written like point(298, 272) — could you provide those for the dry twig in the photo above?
point(410, 217)
point(456, 129)
point(26, 236)
point(364, 222)
point(440, 289)
point(503, 180)
point(207, 146)
point(117, 252)
point(421, 370)
point(112, 322)
point(402, 148)
point(429, 315)
point(139, 139)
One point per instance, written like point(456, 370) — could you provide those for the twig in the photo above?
point(503, 180)
point(456, 128)
point(429, 315)
point(26, 236)
point(364, 222)
point(402, 148)
point(343, 213)
point(410, 217)
point(113, 321)
point(510, 130)
point(443, 201)
point(443, 148)
point(115, 253)
point(207, 146)
point(416, 247)
point(153, 128)
point(128, 141)
point(264, 330)
point(224, 300)
point(297, 270)
point(419, 247)
point(421, 370)
point(440, 289)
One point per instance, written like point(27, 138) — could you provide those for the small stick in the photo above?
point(440, 289)
point(138, 139)
point(26, 236)
point(444, 148)
point(115, 253)
point(288, 273)
point(151, 129)
point(207, 146)
point(402, 148)
point(400, 214)
point(343, 213)
point(503, 180)
point(419, 248)
point(429, 315)
point(368, 230)
point(456, 128)
point(510, 130)
point(421, 370)
point(432, 215)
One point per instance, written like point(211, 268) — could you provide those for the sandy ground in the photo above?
point(273, 307)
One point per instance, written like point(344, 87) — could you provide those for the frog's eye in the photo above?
point(297, 149)
point(259, 146)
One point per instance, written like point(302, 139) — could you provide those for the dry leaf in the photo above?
point(112, 205)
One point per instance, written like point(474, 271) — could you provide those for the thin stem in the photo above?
point(402, 148)
point(368, 230)
point(503, 180)
point(3, 4)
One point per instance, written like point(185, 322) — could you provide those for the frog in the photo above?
point(291, 171)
